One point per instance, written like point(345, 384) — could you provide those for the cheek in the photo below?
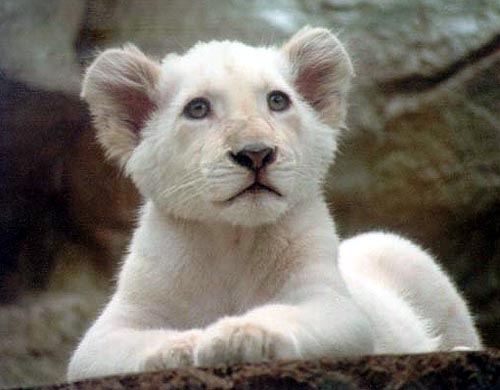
point(293, 122)
point(290, 137)
point(197, 139)
point(211, 146)
point(184, 136)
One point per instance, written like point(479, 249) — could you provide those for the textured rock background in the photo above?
point(450, 371)
point(422, 156)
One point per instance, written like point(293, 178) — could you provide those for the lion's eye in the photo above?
point(198, 108)
point(278, 101)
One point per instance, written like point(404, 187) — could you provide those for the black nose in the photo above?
point(254, 156)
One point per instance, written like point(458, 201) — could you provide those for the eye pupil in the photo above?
point(278, 101)
point(198, 108)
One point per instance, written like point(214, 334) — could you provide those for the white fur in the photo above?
point(209, 281)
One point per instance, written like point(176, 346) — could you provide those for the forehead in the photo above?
point(220, 64)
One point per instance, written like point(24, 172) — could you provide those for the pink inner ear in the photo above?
point(312, 83)
point(135, 106)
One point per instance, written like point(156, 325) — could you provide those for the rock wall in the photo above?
point(421, 156)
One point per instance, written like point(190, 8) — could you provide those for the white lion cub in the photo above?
point(235, 258)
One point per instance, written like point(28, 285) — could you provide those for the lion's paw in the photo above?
point(176, 351)
point(238, 341)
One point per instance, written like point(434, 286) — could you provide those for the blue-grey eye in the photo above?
point(198, 108)
point(278, 101)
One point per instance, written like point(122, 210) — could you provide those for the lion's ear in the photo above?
point(121, 88)
point(322, 71)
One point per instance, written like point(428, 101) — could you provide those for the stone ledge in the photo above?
point(456, 370)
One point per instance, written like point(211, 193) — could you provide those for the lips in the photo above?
point(256, 188)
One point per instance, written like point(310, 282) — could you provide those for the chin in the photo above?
point(252, 210)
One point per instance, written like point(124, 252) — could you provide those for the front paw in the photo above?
point(237, 341)
point(176, 351)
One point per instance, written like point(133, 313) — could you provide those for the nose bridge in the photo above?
point(251, 131)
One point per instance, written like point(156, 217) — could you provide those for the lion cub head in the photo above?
point(225, 132)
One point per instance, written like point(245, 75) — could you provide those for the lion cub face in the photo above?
point(225, 132)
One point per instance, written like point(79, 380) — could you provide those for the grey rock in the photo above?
point(37, 42)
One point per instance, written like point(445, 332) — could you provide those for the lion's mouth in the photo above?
point(256, 188)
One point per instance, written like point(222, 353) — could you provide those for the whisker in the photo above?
point(189, 197)
point(186, 181)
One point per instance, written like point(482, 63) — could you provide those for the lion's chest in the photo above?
point(230, 284)
point(193, 277)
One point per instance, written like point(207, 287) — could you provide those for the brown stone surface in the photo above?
point(450, 371)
